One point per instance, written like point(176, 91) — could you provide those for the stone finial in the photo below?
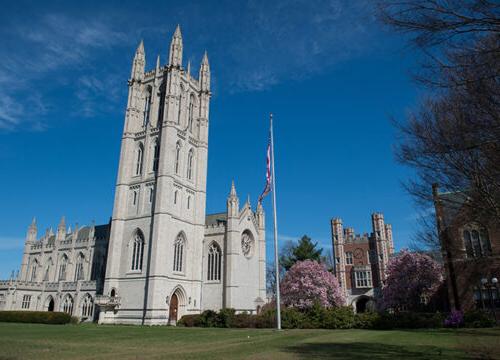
point(157, 68)
point(205, 73)
point(188, 71)
point(140, 48)
point(139, 63)
point(175, 56)
point(232, 193)
point(62, 223)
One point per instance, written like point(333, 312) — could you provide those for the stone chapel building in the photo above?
point(161, 256)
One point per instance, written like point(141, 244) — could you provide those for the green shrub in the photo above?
point(338, 318)
point(367, 320)
point(38, 317)
point(291, 318)
point(478, 319)
point(225, 318)
point(410, 320)
point(190, 320)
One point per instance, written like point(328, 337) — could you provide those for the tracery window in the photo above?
point(147, 107)
point(190, 164)
point(62, 268)
point(476, 241)
point(137, 251)
point(34, 268)
point(179, 252)
point(214, 262)
point(87, 306)
point(191, 112)
point(156, 155)
point(79, 267)
point(139, 159)
point(68, 304)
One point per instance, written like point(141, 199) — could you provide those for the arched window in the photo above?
point(112, 293)
point(62, 268)
point(191, 113)
point(189, 202)
point(476, 241)
point(79, 267)
point(214, 262)
point(137, 251)
point(190, 164)
point(87, 306)
point(134, 197)
point(139, 159)
point(175, 196)
point(179, 252)
point(151, 194)
point(147, 106)
point(68, 304)
point(34, 269)
point(177, 157)
point(156, 155)
point(47, 270)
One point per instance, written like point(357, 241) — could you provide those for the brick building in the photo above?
point(360, 260)
point(471, 253)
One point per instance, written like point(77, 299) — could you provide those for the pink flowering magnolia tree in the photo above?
point(308, 282)
point(410, 277)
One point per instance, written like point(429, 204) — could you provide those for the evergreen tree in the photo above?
point(304, 250)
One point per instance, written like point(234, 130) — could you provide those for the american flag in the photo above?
point(267, 188)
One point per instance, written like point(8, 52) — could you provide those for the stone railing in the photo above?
point(69, 286)
point(106, 301)
point(88, 285)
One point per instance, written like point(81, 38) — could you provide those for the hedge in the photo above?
point(334, 318)
point(37, 317)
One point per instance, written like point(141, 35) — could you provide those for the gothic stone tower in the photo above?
point(159, 209)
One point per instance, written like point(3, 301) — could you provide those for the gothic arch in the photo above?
point(190, 164)
point(177, 304)
point(49, 303)
point(67, 304)
point(139, 158)
point(180, 246)
point(87, 306)
point(136, 250)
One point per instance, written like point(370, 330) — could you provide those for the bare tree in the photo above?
point(453, 138)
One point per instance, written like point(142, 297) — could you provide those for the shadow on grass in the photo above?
point(370, 351)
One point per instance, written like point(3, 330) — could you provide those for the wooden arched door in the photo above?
point(174, 307)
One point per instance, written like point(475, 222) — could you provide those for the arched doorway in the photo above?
point(173, 309)
point(361, 304)
point(51, 305)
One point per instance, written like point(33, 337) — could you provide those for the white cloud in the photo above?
point(46, 46)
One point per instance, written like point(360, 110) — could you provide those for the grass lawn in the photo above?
point(33, 341)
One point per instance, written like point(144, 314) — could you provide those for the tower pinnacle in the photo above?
point(175, 58)
point(139, 63)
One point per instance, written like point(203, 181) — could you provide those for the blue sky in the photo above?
point(329, 72)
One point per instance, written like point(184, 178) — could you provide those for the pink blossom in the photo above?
point(308, 282)
point(410, 276)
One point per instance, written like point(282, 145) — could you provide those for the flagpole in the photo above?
point(276, 258)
